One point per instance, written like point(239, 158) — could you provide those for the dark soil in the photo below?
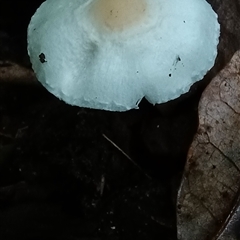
point(60, 175)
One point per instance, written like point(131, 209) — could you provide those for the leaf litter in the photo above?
point(208, 200)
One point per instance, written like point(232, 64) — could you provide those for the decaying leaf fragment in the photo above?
point(209, 193)
point(11, 72)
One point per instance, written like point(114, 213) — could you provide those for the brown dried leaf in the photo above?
point(229, 19)
point(11, 72)
point(211, 180)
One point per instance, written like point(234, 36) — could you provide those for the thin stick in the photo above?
point(115, 145)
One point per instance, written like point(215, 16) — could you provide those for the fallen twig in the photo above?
point(115, 145)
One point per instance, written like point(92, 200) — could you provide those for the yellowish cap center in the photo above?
point(119, 14)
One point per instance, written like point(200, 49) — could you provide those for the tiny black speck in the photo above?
point(42, 58)
point(169, 74)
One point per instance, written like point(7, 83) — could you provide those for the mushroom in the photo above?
point(109, 54)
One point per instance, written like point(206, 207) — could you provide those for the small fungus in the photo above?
point(109, 54)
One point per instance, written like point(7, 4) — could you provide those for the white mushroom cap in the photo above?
point(109, 54)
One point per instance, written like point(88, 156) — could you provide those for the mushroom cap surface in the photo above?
point(89, 57)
